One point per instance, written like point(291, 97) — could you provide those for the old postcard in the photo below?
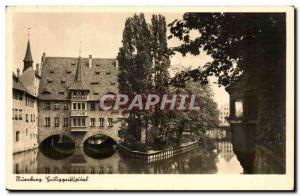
point(150, 98)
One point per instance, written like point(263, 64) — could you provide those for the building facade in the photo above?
point(62, 97)
point(25, 106)
point(69, 98)
point(223, 115)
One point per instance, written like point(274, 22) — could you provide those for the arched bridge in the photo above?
point(78, 136)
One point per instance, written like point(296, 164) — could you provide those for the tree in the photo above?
point(160, 66)
point(134, 59)
point(143, 66)
point(251, 44)
point(204, 119)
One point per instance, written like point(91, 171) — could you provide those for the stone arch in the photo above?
point(112, 134)
point(46, 135)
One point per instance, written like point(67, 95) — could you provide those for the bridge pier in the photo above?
point(78, 138)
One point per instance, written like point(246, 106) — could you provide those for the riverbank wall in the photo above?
point(150, 157)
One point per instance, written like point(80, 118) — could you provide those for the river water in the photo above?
point(219, 159)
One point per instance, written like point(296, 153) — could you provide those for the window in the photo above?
point(66, 122)
point(17, 136)
point(74, 122)
point(83, 122)
point(31, 120)
point(26, 117)
point(20, 96)
point(16, 114)
point(97, 72)
point(56, 122)
point(239, 108)
point(56, 106)
point(93, 107)
point(79, 106)
point(47, 122)
point(62, 82)
point(61, 92)
point(101, 122)
point(110, 122)
point(92, 122)
point(66, 106)
point(26, 132)
point(47, 106)
point(83, 106)
point(20, 115)
point(74, 106)
point(78, 122)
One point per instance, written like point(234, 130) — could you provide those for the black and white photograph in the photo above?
point(103, 93)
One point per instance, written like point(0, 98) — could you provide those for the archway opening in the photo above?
point(99, 146)
point(57, 147)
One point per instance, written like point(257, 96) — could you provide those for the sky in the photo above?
point(100, 34)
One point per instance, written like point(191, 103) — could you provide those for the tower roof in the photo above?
point(28, 56)
point(79, 82)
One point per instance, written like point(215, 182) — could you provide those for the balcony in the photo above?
point(78, 113)
point(78, 129)
point(79, 97)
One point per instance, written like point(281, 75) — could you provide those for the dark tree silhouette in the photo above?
point(249, 44)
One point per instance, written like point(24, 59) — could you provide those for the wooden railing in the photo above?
point(78, 113)
point(150, 157)
point(79, 97)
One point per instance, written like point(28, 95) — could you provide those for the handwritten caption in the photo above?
point(50, 179)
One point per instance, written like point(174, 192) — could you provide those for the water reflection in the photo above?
point(26, 162)
point(200, 161)
point(227, 160)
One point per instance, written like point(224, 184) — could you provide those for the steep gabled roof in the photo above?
point(79, 81)
point(58, 75)
point(17, 84)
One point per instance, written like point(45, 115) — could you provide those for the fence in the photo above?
point(150, 157)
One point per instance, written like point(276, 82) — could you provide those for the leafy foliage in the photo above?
point(250, 44)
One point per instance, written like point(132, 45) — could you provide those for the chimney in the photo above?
point(18, 73)
point(37, 69)
point(43, 57)
point(90, 61)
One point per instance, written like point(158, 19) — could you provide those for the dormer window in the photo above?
point(46, 92)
